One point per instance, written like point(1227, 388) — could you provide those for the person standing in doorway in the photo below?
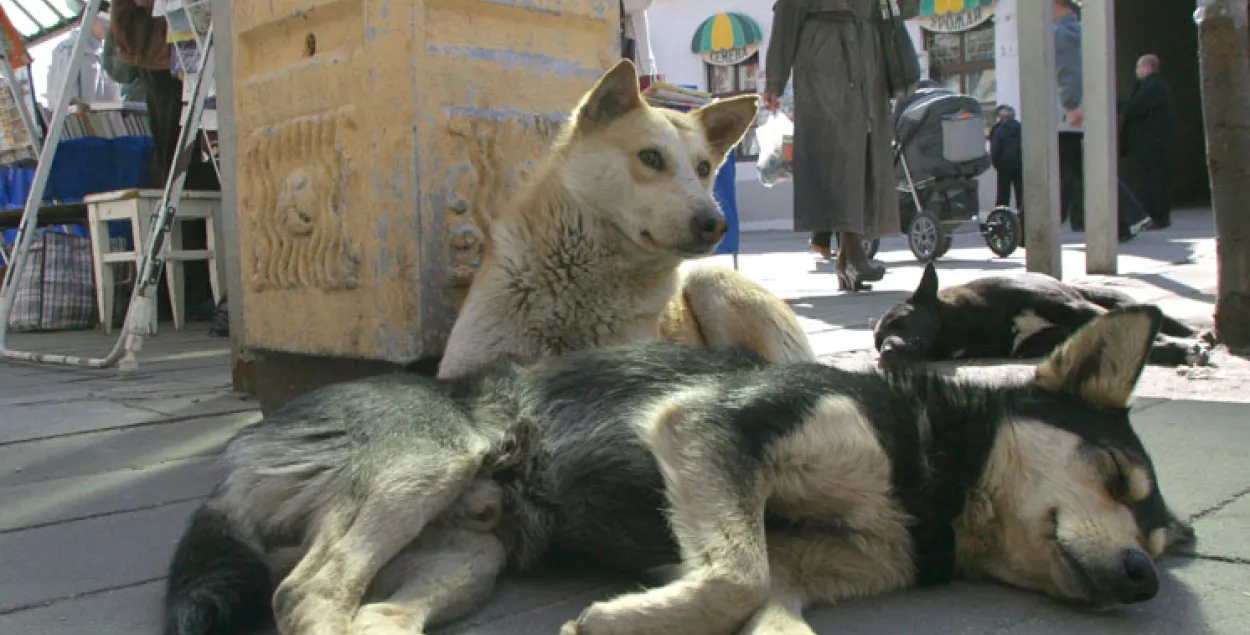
point(1007, 157)
point(843, 162)
point(1071, 120)
point(1146, 139)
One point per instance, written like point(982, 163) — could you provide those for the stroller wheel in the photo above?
point(926, 238)
point(1002, 232)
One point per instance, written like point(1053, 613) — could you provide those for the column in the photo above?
point(1101, 156)
point(1039, 107)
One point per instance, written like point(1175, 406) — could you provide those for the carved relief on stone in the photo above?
point(293, 182)
point(479, 186)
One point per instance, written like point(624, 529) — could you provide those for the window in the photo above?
point(739, 79)
point(964, 62)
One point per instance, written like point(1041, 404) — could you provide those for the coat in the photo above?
point(1006, 146)
point(1149, 120)
point(844, 177)
point(139, 36)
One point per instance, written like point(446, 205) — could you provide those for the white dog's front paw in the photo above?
point(308, 609)
point(386, 619)
point(1199, 354)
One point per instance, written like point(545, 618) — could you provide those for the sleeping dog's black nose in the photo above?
point(1139, 581)
point(708, 224)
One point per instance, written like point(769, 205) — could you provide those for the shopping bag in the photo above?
point(776, 140)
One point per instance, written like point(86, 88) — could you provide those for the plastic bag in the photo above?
point(776, 158)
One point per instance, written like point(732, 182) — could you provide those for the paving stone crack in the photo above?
point(1216, 508)
point(131, 426)
point(114, 512)
point(77, 596)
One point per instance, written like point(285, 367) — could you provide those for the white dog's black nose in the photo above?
point(1139, 581)
point(708, 225)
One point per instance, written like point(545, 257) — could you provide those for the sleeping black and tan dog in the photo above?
point(1013, 317)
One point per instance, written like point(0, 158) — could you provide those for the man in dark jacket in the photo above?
point(1146, 139)
point(1007, 157)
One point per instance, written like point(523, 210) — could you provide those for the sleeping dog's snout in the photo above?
point(1138, 581)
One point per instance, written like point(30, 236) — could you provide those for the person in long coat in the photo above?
point(1146, 139)
point(844, 179)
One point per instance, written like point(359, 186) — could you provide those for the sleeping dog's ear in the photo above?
point(926, 293)
point(1102, 362)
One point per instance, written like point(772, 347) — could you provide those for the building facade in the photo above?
point(720, 46)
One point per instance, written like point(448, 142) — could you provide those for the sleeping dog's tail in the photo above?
point(218, 584)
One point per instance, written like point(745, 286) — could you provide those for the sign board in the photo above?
point(730, 57)
point(956, 21)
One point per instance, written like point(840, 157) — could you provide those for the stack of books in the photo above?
point(108, 120)
point(665, 95)
point(15, 142)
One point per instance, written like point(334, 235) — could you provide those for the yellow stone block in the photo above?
point(375, 139)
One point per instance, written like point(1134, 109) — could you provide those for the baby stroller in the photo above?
point(939, 151)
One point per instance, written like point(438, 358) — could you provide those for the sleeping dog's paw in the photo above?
point(1210, 338)
point(1198, 354)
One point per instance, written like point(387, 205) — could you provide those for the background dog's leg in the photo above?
point(720, 532)
point(729, 309)
point(1042, 343)
point(322, 597)
point(1177, 351)
point(445, 575)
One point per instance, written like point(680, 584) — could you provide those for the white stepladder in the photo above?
point(143, 298)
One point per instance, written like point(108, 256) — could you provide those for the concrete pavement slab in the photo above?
point(133, 610)
point(26, 422)
point(97, 452)
point(47, 564)
point(64, 499)
point(1224, 533)
point(1199, 451)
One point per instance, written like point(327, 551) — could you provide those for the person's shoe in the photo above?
point(1154, 224)
point(825, 252)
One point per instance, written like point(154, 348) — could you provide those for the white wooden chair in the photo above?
point(139, 207)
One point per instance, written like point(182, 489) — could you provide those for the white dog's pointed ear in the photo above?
point(726, 121)
point(615, 94)
point(1102, 362)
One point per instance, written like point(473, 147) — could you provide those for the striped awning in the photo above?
point(35, 20)
point(725, 31)
point(941, 7)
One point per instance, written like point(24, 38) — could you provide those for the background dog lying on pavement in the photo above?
point(772, 487)
point(1012, 317)
point(588, 253)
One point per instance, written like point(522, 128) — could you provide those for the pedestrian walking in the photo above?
point(844, 179)
point(1007, 157)
point(1146, 140)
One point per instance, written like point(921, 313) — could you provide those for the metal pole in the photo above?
point(143, 301)
point(30, 216)
point(15, 90)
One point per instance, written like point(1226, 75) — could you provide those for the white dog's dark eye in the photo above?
point(652, 159)
point(704, 169)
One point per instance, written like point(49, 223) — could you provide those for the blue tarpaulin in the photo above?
point(726, 192)
point(88, 165)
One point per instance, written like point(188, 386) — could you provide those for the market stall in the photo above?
point(73, 173)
